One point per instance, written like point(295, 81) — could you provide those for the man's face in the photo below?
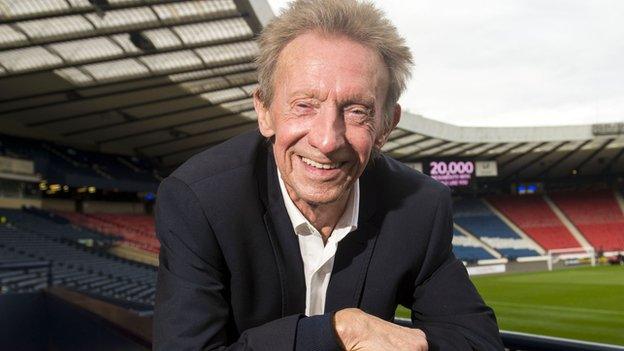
point(326, 114)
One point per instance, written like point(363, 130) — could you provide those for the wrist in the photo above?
point(346, 325)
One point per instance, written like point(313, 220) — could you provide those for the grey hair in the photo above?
point(360, 21)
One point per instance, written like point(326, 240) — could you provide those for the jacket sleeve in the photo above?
point(192, 309)
point(445, 303)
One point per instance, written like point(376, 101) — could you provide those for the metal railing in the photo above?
point(515, 341)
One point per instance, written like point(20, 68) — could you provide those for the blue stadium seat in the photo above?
point(467, 249)
point(474, 216)
point(74, 266)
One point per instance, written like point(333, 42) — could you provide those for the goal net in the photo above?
point(571, 257)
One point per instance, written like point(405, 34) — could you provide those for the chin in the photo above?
point(324, 197)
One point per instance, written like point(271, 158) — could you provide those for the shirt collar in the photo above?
point(346, 224)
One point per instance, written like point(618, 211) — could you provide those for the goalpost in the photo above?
point(571, 257)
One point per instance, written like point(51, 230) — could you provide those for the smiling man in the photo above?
point(302, 236)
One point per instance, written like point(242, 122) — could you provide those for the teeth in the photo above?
point(320, 165)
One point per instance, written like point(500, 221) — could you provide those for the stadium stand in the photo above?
point(533, 215)
point(65, 165)
point(109, 166)
point(140, 223)
point(50, 225)
point(596, 214)
point(475, 217)
point(135, 230)
point(469, 249)
point(76, 266)
point(18, 274)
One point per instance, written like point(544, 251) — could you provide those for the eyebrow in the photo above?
point(364, 99)
point(358, 99)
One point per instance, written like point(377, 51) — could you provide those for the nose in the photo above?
point(327, 132)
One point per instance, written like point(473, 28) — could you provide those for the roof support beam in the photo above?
point(424, 138)
point(150, 117)
point(128, 106)
point(485, 151)
point(212, 131)
point(520, 155)
point(467, 148)
point(612, 162)
point(412, 155)
point(173, 126)
point(442, 150)
point(512, 147)
point(523, 167)
point(592, 155)
point(402, 134)
point(561, 159)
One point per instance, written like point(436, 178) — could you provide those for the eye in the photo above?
point(358, 114)
point(303, 107)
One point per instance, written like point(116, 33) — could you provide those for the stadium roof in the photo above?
point(166, 79)
point(520, 152)
point(152, 77)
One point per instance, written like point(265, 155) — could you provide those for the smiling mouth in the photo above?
point(319, 165)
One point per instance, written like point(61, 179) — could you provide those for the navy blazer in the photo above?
point(231, 274)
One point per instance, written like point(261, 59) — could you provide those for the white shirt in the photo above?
point(318, 259)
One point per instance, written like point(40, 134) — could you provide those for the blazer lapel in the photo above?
point(354, 252)
point(350, 266)
point(283, 239)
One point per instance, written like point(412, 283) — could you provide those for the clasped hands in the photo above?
point(361, 331)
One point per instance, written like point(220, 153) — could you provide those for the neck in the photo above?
point(323, 217)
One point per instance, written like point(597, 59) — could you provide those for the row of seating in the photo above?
point(533, 215)
point(530, 213)
point(135, 230)
point(65, 165)
point(43, 222)
point(16, 275)
point(469, 249)
point(138, 222)
point(74, 266)
point(596, 214)
point(475, 217)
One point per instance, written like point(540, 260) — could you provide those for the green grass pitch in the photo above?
point(585, 303)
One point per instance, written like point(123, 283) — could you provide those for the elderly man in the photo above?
point(303, 236)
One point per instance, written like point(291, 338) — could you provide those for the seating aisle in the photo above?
point(474, 216)
point(533, 215)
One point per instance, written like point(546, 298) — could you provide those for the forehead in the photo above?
point(328, 63)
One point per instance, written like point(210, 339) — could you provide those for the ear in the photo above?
point(383, 137)
point(265, 124)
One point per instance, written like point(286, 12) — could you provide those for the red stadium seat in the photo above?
point(596, 214)
point(533, 215)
